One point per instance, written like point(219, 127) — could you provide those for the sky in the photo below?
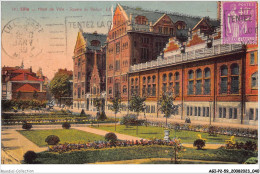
point(43, 34)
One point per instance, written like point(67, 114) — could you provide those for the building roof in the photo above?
point(94, 36)
point(27, 88)
point(23, 77)
point(153, 16)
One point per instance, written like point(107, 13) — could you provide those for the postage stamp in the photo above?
point(20, 38)
point(239, 22)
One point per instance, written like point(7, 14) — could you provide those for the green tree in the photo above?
point(116, 105)
point(137, 105)
point(98, 104)
point(60, 86)
point(166, 105)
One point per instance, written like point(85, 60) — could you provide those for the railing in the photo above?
point(190, 55)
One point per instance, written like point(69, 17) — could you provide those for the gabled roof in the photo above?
point(153, 16)
point(94, 36)
point(22, 77)
point(27, 88)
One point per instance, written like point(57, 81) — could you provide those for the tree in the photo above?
point(166, 105)
point(98, 103)
point(30, 157)
point(137, 105)
point(60, 86)
point(116, 106)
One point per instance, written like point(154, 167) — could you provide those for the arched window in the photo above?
point(206, 81)
point(164, 77)
point(154, 78)
point(136, 81)
point(177, 84)
point(223, 79)
point(234, 79)
point(170, 76)
point(198, 81)
point(254, 80)
point(149, 79)
point(132, 81)
point(190, 82)
point(144, 80)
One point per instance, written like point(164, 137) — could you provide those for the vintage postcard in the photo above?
point(129, 82)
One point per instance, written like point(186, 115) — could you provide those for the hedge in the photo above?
point(141, 152)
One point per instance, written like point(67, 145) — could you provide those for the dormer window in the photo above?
point(141, 20)
point(95, 43)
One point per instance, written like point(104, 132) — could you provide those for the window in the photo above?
point(94, 90)
point(144, 53)
point(254, 80)
point(234, 79)
point(165, 30)
point(145, 40)
point(220, 112)
point(148, 79)
point(124, 89)
point(251, 114)
point(230, 113)
point(152, 109)
point(171, 31)
point(224, 112)
point(164, 77)
point(190, 83)
point(154, 90)
point(252, 58)
point(256, 114)
point(117, 47)
point(110, 91)
point(191, 111)
point(154, 79)
point(160, 29)
point(170, 76)
point(198, 81)
point(144, 80)
point(188, 110)
point(148, 109)
point(204, 111)
point(177, 84)
point(199, 109)
point(149, 90)
point(195, 111)
point(164, 87)
point(132, 81)
point(95, 43)
point(207, 81)
point(144, 90)
point(79, 89)
point(223, 79)
point(235, 113)
point(207, 113)
point(117, 88)
point(117, 65)
point(141, 20)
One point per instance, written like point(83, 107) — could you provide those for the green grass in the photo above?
point(65, 135)
point(141, 152)
point(158, 132)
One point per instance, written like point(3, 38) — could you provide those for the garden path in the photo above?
point(128, 137)
point(14, 145)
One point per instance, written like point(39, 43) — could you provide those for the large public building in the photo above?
point(150, 52)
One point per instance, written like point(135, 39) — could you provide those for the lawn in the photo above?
point(151, 132)
point(65, 135)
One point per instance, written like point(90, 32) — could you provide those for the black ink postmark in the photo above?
point(21, 38)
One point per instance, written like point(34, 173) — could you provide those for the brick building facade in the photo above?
point(89, 75)
point(211, 82)
point(22, 84)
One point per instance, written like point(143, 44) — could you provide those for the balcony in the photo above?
point(193, 55)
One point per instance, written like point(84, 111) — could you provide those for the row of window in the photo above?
point(119, 32)
point(253, 114)
point(198, 111)
point(232, 112)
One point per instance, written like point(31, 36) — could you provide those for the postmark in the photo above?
point(239, 23)
point(21, 38)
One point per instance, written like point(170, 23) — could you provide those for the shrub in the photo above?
point(82, 114)
point(27, 126)
point(131, 120)
point(30, 157)
point(102, 116)
point(199, 143)
point(52, 140)
point(212, 130)
point(66, 125)
point(252, 160)
point(111, 137)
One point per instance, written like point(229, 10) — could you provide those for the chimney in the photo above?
point(130, 18)
point(151, 26)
